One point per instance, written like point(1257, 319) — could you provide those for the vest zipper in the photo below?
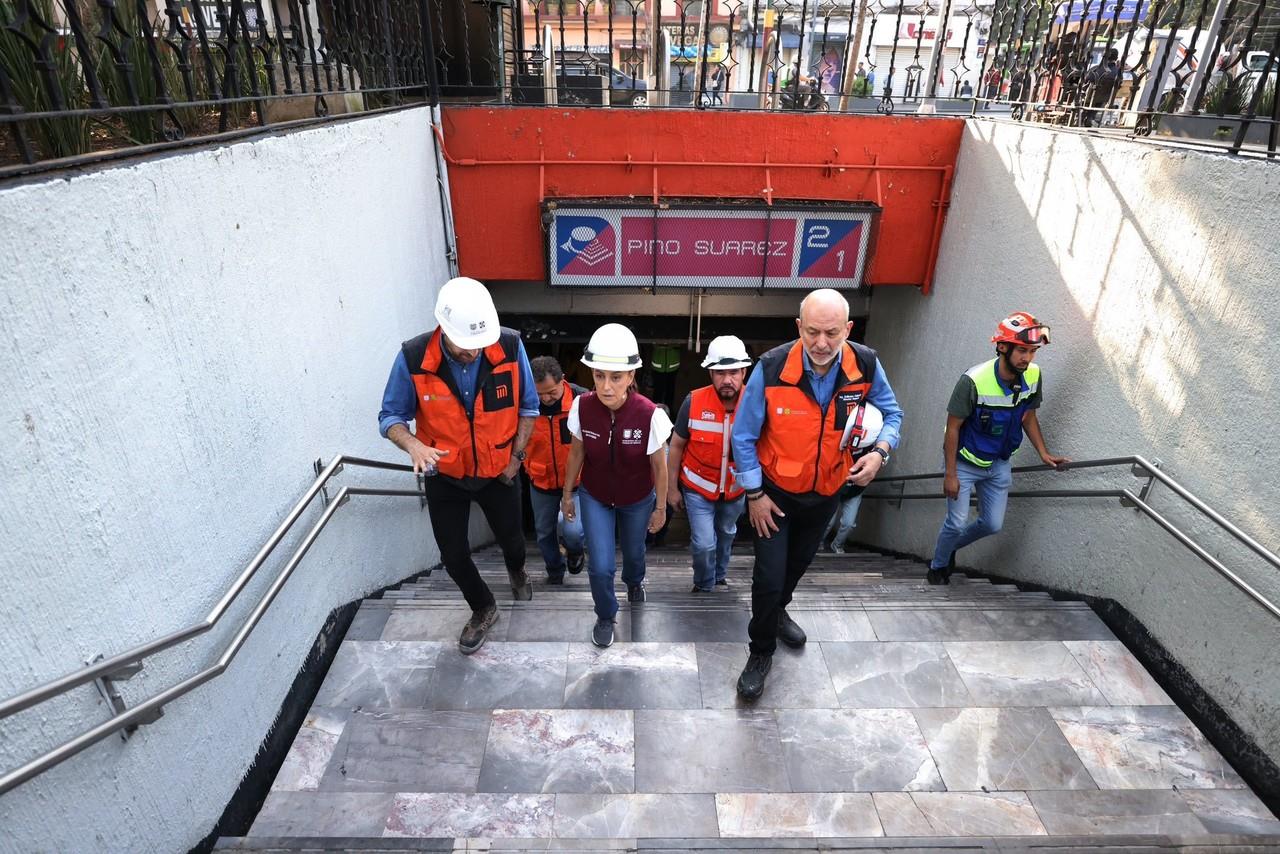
point(613, 421)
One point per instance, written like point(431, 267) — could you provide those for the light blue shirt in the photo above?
point(751, 414)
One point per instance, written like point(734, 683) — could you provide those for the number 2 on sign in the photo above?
point(818, 235)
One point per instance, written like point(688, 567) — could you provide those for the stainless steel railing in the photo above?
point(1140, 467)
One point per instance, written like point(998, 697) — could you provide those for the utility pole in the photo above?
point(851, 60)
point(929, 105)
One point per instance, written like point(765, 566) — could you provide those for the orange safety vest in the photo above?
point(799, 444)
point(478, 446)
point(548, 448)
point(706, 467)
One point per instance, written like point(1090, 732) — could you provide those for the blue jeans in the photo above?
point(992, 485)
point(551, 526)
point(712, 527)
point(844, 520)
point(598, 521)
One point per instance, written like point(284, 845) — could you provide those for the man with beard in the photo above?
point(789, 443)
point(700, 463)
point(991, 406)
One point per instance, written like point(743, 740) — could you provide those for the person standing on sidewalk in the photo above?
point(468, 389)
point(700, 470)
point(545, 462)
point(789, 444)
point(619, 449)
point(992, 405)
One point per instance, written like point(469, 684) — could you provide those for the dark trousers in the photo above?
point(450, 508)
point(781, 560)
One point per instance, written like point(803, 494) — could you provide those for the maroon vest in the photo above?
point(616, 471)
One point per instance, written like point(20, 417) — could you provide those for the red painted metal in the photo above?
point(503, 161)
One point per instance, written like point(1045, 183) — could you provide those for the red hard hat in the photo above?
point(1021, 329)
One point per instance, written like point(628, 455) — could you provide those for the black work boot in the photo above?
point(575, 563)
point(635, 593)
point(788, 632)
point(751, 682)
point(477, 629)
point(555, 578)
point(521, 586)
point(941, 576)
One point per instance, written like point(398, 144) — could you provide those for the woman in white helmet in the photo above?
point(619, 448)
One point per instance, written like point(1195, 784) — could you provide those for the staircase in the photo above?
point(969, 717)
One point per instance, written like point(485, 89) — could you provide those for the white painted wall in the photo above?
point(179, 339)
point(1159, 272)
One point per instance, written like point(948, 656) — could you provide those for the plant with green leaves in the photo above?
point(21, 42)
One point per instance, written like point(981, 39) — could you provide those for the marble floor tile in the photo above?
point(368, 623)
point(690, 626)
point(560, 750)
point(925, 625)
point(894, 675)
point(1022, 673)
point(384, 674)
point(311, 751)
point(1230, 811)
point(500, 676)
point(567, 624)
point(979, 813)
point(323, 814)
point(1144, 747)
point(855, 750)
point(807, 815)
point(479, 815)
point(1001, 750)
point(636, 816)
point(408, 750)
point(438, 624)
point(1063, 624)
point(827, 625)
point(799, 678)
point(1133, 811)
point(632, 676)
point(708, 751)
point(1118, 675)
point(899, 815)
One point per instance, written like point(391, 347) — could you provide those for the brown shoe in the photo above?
point(521, 586)
point(477, 629)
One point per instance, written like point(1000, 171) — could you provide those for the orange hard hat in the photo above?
point(1021, 329)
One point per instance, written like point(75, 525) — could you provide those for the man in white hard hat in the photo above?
point(468, 389)
point(701, 475)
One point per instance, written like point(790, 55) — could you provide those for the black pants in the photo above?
point(781, 560)
point(450, 508)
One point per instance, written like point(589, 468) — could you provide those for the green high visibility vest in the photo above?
point(666, 358)
point(994, 429)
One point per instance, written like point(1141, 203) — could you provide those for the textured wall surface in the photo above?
point(1158, 272)
point(180, 338)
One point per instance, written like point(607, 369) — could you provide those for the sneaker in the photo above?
point(602, 634)
point(941, 576)
point(751, 682)
point(476, 629)
point(837, 548)
point(521, 587)
point(635, 593)
point(697, 589)
point(788, 632)
point(555, 579)
point(723, 582)
point(576, 562)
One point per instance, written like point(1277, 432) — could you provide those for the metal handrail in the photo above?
point(1140, 467)
point(149, 709)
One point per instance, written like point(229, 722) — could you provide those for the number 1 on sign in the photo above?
point(840, 260)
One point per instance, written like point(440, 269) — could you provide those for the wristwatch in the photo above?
point(884, 455)
point(520, 455)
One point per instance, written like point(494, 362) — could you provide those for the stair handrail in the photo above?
point(1140, 467)
point(129, 661)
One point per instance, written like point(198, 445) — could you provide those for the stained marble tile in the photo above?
point(1060, 624)
point(1022, 673)
point(1144, 747)
point(789, 815)
point(368, 623)
point(501, 676)
point(632, 676)
point(1134, 811)
point(708, 751)
point(1001, 749)
point(559, 750)
point(799, 678)
point(893, 675)
point(855, 750)
point(1230, 811)
point(831, 625)
point(979, 813)
point(562, 624)
point(927, 625)
point(479, 815)
point(323, 814)
point(691, 625)
point(438, 624)
point(311, 751)
point(636, 816)
point(1118, 675)
point(409, 751)
point(385, 674)
point(899, 815)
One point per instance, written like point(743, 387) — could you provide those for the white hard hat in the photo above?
point(726, 353)
point(862, 428)
point(612, 347)
point(466, 314)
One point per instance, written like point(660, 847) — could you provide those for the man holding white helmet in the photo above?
point(796, 424)
point(863, 432)
point(700, 470)
point(468, 389)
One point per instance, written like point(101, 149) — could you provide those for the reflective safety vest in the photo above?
point(479, 445)
point(799, 445)
point(706, 467)
point(548, 448)
point(993, 431)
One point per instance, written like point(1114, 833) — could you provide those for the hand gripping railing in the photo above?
point(128, 662)
point(1140, 467)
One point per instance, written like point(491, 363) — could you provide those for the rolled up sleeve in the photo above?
point(747, 423)
point(528, 394)
point(400, 399)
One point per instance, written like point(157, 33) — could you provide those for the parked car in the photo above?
point(624, 90)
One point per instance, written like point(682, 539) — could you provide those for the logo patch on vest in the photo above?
point(499, 392)
point(632, 436)
point(846, 402)
point(786, 410)
point(708, 415)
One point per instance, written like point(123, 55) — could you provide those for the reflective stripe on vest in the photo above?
point(983, 449)
point(706, 466)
